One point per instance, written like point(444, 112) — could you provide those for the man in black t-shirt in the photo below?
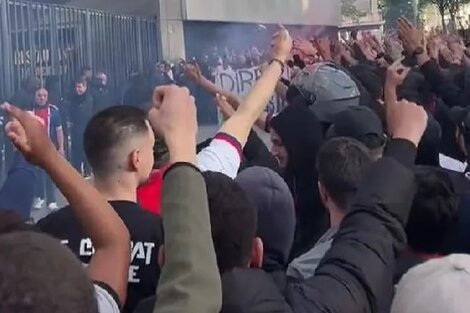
point(118, 144)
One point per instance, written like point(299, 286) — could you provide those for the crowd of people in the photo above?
point(359, 205)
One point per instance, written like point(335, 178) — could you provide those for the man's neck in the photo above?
point(336, 217)
point(117, 188)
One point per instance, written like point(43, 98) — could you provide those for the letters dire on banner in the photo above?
point(240, 82)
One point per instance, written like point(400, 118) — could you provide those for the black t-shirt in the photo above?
point(146, 234)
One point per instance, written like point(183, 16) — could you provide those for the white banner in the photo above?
point(240, 82)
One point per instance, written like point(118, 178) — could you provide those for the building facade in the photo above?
point(173, 14)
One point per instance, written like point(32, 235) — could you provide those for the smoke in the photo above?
point(206, 38)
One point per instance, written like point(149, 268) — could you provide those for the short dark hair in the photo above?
point(433, 215)
point(233, 221)
point(340, 164)
point(81, 81)
point(40, 275)
point(108, 130)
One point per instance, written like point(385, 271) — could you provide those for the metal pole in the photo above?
point(88, 47)
point(6, 46)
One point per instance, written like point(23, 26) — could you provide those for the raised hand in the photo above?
point(410, 35)
point(306, 47)
point(396, 74)
point(324, 48)
point(458, 51)
point(173, 115)
point(281, 44)
point(193, 72)
point(366, 49)
point(433, 48)
point(224, 106)
point(406, 120)
point(28, 135)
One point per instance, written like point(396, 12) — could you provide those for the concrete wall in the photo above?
point(172, 13)
point(295, 12)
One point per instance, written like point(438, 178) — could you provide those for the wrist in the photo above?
point(279, 62)
point(182, 151)
point(50, 160)
point(280, 57)
point(422, 59)
point(399, 135)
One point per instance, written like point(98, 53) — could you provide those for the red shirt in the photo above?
point(149, 194)
point(44, 114)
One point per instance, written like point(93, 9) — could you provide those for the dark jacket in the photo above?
point(243, 291)
point(251, 291)
point(302, 135)
point(256, 153)
point(23, 99)
point(102, 98)
point(81, 110)
point(356, 274)
point(445, 88)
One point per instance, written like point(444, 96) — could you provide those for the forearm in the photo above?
point(240, 124)
point(213, 89)
point(390, 94)
point(189, 280)
point(97, 217)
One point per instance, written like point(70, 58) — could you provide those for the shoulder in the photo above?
point(137, 219)
point(51, 221)
point(223, 155)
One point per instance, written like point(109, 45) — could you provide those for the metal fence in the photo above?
point(43, 40)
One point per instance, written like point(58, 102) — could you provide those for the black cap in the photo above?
point(357, 122)
point(461, 116)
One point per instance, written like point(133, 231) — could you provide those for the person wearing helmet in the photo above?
point(315, 96)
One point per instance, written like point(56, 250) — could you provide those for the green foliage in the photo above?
point(393, 9)
point(349, 10)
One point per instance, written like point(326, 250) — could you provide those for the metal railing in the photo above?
point(52, 40)
point(43, 40)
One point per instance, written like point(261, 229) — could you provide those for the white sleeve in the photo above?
point(223, 155)
point(106, 302)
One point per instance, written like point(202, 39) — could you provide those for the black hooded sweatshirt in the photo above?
point(301, 134)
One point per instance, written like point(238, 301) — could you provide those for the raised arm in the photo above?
point(224, 153)
point(240, 124)
point(193, 72)
point(445, 88)
point(110, 237)
point(189, 280)
point(356, 275)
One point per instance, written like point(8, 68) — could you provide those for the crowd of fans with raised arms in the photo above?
point(360, 203)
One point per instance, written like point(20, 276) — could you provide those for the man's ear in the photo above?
point(161, 256)
point(257, 253)
point(134, 159)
